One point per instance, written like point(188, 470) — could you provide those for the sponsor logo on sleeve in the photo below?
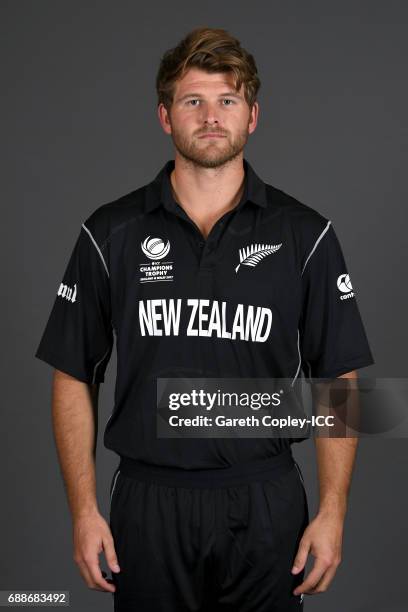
point(345, 287)
point(67, 292)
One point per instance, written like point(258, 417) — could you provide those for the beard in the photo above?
point(214, 153)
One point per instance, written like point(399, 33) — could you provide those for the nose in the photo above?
point(211, 121)
point(210, 114)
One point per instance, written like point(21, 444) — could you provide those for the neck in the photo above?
point(207, 192)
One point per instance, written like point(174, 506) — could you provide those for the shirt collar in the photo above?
point(159, 191)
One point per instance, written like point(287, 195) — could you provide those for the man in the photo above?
point(202, 524)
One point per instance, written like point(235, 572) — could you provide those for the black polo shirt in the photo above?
point(267, 294)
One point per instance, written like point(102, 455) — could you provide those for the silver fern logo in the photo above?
point(254, 253)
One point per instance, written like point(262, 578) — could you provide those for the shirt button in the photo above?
point(201, 244)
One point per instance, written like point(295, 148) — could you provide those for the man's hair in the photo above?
point(212, 50)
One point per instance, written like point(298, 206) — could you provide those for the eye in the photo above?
point(228, 101)
point(192, 102)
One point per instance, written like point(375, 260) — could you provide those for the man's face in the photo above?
point(209, 121)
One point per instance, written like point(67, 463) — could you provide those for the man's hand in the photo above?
point(323, 538)
point(92, 535)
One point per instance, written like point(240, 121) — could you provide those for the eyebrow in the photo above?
point(228, 94)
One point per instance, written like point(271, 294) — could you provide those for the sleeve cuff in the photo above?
point(343, 368)
point(60, 364)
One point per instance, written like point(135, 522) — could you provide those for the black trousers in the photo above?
point(216, 540)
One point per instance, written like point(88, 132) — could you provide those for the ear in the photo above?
point(164, 118)
point(253, 119)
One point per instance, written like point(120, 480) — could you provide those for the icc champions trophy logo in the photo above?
point(154, 248)
point(155, 271)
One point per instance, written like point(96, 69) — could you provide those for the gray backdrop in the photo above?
point(80, 129)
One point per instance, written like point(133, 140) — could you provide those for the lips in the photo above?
point(212, 135)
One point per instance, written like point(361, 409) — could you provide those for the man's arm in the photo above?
point(74, 416)
point(323, 537)
point(335, 462)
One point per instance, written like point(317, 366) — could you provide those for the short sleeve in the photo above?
point(333, 340)
point(78, 337)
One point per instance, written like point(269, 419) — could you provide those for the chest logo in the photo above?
point(155, 271)
point(154, 248)
point(254, 253)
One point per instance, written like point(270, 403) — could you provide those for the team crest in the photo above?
point(254, 253)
